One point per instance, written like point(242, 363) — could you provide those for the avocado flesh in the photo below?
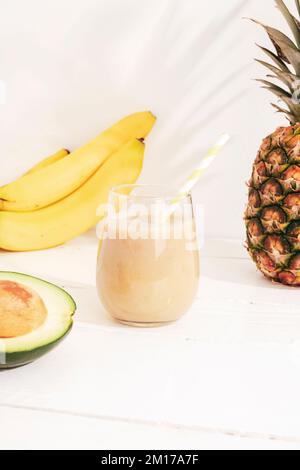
point(60, 307)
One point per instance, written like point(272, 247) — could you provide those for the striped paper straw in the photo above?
point(198, 172)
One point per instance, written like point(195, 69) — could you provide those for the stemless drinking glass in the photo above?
point(148, 262)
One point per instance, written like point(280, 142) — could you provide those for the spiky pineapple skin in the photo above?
point(273, 211)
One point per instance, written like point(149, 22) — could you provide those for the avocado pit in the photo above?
point(21, 309)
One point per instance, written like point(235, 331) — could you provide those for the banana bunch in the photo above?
point(58, 198)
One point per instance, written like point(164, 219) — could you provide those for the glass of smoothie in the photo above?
point(148, 262)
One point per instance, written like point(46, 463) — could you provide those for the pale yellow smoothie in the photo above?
point(147, 282)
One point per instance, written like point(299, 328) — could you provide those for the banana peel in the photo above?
point(54, 182)
point(75, 214)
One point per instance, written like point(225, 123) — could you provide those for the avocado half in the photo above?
point(59, 307)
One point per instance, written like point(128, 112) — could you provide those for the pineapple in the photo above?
point(273, 211)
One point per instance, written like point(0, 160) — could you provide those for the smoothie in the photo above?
point(147, 282)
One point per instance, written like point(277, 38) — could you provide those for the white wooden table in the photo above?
point(226, 376)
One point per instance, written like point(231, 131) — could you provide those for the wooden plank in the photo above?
point(34, 430)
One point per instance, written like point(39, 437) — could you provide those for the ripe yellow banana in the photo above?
point(55, 182)
point(48, 161)
point(77, 213)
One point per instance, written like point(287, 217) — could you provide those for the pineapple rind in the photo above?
point(273, 211)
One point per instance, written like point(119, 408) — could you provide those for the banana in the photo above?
point(48, 161)
point(55, 182)
point(77, 213)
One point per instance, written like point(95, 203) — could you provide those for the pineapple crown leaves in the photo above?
point(286, 77)
point(282, 110)
point(285, 57)
point(290, 19)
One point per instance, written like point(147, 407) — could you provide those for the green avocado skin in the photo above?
point(18, 359)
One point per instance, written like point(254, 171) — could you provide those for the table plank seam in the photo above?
point(165, 424)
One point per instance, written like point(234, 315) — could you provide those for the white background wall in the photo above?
point(74, 66)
